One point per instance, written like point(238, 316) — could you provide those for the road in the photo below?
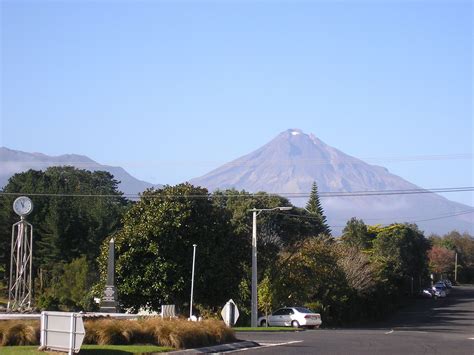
point(444, 326)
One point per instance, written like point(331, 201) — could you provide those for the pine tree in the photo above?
point(314, 207)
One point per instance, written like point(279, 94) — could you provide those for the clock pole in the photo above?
point(21, 258)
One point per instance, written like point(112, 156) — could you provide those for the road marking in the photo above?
point(268, 345)
point(471, 338)
point(390, 332)
point(265, 345)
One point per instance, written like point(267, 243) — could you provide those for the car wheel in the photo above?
point(263, 323)
point(295, 324)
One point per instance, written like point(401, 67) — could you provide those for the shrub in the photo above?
point(177, 333)
point(19, 333)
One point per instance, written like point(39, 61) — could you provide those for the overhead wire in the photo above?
point(459, 213)
point(361, 193)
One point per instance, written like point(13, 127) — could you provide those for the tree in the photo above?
point(463, 245)
point(68, 220)
point(359, 271)
point(441, 260)
point(400, 251)
point(70, 288)
point(277, 231)
point(355, 234)
point(154, 250)
point(314, 207)
point(265, 295)
point(312, 277)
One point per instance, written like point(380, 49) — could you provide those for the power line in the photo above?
point(237, 162)
point(450, 215)
point(282, 194)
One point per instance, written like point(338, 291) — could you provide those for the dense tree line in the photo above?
point(360, 276)
point(442, 256)
point(67, 227)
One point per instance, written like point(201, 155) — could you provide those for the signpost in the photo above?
point(230, 313)
point(62, 331)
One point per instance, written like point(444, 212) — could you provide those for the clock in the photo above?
point(22, 206)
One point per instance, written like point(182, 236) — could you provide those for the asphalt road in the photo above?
point(444, 326)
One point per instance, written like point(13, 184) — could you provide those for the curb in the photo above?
point(217, 348)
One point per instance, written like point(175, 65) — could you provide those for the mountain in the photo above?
point(14, 161)
point(290, 163)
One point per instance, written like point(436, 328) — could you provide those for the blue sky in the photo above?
point(172, 89)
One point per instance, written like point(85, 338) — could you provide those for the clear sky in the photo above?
point(172, 89)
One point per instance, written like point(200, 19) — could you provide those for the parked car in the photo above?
point(440, 291)
point(447, 283)
point(292, 317)
point(426, 293)
point(442, 286)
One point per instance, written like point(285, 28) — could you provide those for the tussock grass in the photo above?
point(13, 332)
point(176, 333)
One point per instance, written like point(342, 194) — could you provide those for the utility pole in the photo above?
point(456, 267)
point(192, 283)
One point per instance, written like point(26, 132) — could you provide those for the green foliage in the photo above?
point(70, 289)
point(312, 275)
point(154, 250)
point(65, 226)
point(265, 295)
point(400, 252)
point(314, 207)
point(356, 234)
point(277, 231)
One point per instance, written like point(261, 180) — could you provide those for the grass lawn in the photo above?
point(265, 329)
point(89, 350)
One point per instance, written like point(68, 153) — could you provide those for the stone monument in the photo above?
point(108, 303)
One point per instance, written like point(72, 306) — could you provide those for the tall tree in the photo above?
point(154, 250)
point(68, 220)
point(400, 251)
point(355, 234)
point(441, 260)
point(463, 245)
point(314, 207)
point(312, 277)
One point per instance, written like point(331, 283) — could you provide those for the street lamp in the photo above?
point(192, 284)
point(254, 303)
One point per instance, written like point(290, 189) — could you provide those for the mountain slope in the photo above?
point(14, 161)
point(293, 160)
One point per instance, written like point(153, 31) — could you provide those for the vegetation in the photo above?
point(175, 333)
point(443, 262)
point(361, 276)
point(154, 250)
point(91, 350)
point(314, 207)
point(67, 227)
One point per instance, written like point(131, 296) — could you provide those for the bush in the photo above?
point(177, 333)
point(19, 333)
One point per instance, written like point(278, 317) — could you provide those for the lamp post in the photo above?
point(254, 302)
point(192, 283)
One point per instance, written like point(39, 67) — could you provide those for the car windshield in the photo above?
point(303, 310)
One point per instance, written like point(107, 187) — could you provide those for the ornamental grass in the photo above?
point(176, 333)
point(15, 332)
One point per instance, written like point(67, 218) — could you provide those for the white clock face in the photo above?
point(22, 206)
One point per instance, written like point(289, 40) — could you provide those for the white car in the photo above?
point(291, 317)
